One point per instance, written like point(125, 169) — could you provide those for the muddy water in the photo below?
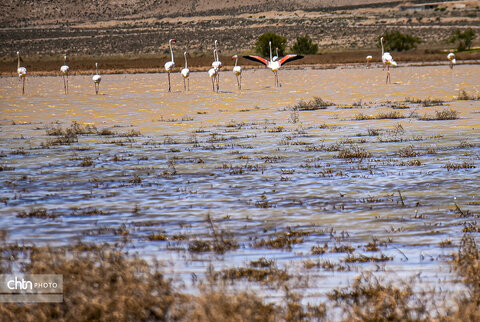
point(251, 163)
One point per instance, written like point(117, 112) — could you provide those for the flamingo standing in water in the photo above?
point(96, 79)
point(22, 72)
point(274, 64)
point(387, 59)
point(65, 69)
point(451, 58)
point(217, 64)
point(237, 70)
point(185, 73)
point(213, 72)
point(170, 65)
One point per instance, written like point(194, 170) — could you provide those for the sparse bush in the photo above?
point(395, 40)
point(262, 48)
point(464, 39)
point(304, 45)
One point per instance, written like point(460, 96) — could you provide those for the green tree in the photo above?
point(304, 45)
point(395, 40)
point(262, 48)
point(464, 39)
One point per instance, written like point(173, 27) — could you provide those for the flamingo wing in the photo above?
point(258, 59)
point(289, 58)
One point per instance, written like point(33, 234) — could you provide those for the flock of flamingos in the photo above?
point(274, 64)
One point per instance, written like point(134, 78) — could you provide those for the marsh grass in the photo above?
point(353, 152)
point(464, 96)
point(457, 166)
point(426, 102)
point(445, 114)
point(316, 103)
point(390, 115)
point(36, 213)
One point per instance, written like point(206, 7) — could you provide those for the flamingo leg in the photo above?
point(67, 83)
point(218, 81)
point(388, 75)
point(240, 83)
point(188, 84)
point(23, 86)
point(184, 85)
point(213, 84)
point(64, 85)
point(169, 88)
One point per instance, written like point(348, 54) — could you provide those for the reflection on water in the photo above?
point(244, 158)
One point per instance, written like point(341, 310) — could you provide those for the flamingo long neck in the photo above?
point(171, 50)
point(186, 62)
point(215, 55)
point(96, 68)
point(18, 59)
point(270, 45)
point(381, 41)
point(65, 62)
point(277, 51)
point(236, 60)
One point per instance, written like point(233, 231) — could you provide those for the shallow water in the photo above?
point(240, 157)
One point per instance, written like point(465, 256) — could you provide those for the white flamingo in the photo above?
point(96, 79)
point(451, 58)
point(169, 66)
point(217, 64)
point(65, 69)
point(213, 72)
point(274, 64)
point(387, 59)
point(185, 73)
point(22, 72)
point(369, 59)
point(237, 70)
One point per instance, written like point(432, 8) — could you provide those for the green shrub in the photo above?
point(304, 45)
point(464, 39)
point(262, 48)
point(395, 40)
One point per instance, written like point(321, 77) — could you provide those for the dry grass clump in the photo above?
point(426, 102)
point(36, 213)
point(267, 275)
point(282, 240)
point(353, 152)
point(316, 103)
point(381, 116)
point(464, 96)
point(445, 114)
point(407, 152)
point(457, 166)
point(99, 284)
point(368, 299)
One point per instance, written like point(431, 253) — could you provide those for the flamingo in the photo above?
point(65, 69)
point(22, 73)
point(185, 73)
point(387, 59)
point(274, 64)
point(96, 79)
point(237, 70)
point(170, 64)
point(217, 64)
point(369, 58)
point(451, 58)
point(212, 72)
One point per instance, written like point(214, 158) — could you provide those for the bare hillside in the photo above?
point(34, 12)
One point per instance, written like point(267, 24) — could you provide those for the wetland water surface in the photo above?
point(201, 178)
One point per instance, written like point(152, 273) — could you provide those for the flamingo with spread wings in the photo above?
point(274, 64)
